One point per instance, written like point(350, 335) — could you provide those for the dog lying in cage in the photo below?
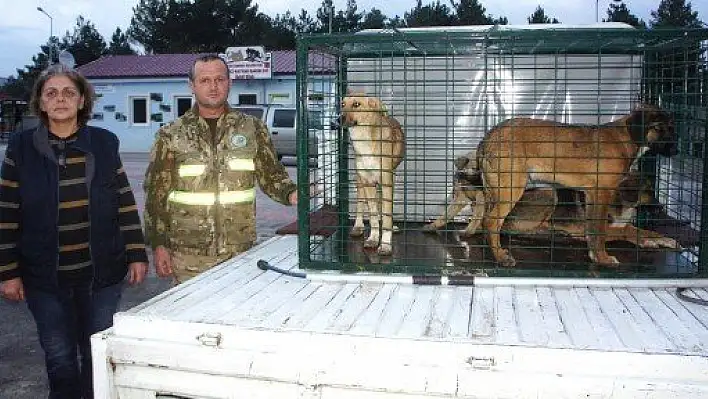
point(378, 144)
point(592, 159)
point(553, 209)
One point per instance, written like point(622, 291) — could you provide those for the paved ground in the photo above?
point(22, 373)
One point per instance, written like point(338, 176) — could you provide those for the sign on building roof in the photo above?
point(248, 62)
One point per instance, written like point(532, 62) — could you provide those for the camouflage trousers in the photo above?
point(186, 264)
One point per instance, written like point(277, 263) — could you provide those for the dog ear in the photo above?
point(637, 123)
point(652, 126)
point(461, 162)
point(374, 103)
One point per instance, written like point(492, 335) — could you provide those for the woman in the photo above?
point(69, 227)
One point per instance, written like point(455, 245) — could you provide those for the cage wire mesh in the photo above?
point(449, 89)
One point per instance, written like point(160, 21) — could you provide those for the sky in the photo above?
point(23, 28)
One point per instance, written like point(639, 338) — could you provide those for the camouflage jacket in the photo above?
point(199, 191)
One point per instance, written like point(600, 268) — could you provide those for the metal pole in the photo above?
point(331, 10)
point(359, 278)
point(51, 34)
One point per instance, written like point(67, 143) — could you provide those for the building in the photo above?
point(136, 94)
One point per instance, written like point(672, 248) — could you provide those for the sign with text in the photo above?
point(248, 63)
point(103, 88)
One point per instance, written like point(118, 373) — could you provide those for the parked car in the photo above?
point(282, 125)
point(259, 111)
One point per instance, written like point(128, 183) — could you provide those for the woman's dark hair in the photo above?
point(83, 85)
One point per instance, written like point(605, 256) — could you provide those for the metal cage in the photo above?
point(448, 87)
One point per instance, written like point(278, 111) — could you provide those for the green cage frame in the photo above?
point(674, 71)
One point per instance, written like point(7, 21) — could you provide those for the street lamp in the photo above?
point(596, 6)
point(51, 33)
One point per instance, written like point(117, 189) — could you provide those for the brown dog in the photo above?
point(548, 209)
point(592, 159)
point(378, 148)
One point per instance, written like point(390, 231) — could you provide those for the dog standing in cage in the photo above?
point(378, 144)
point(592, 159)
point(553, 209)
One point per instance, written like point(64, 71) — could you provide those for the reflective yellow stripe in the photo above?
point(7, 268)
point(191, 170)
point(235, 197)
point(225, 197)
point(234, 164)
point(8, 183)
point(242, 164)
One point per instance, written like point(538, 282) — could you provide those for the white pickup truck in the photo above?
point(237, 331)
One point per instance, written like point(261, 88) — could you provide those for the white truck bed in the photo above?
point(239, 332)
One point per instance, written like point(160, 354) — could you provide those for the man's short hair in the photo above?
point(206, 58)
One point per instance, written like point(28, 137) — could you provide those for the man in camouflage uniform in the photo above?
point(199, 186)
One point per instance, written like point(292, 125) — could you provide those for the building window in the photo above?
point(284, 118)
point(139, 110)
point(183, 104)
point(247, 99)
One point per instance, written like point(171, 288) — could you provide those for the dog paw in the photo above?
point(507, 260)
point(603, 258)
point(661, 242)
point(356, 231)
point(666, 242)
point(396, 229)
point(609, 261)
point(385, 249)
point(371, 243)
point(430, 228)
